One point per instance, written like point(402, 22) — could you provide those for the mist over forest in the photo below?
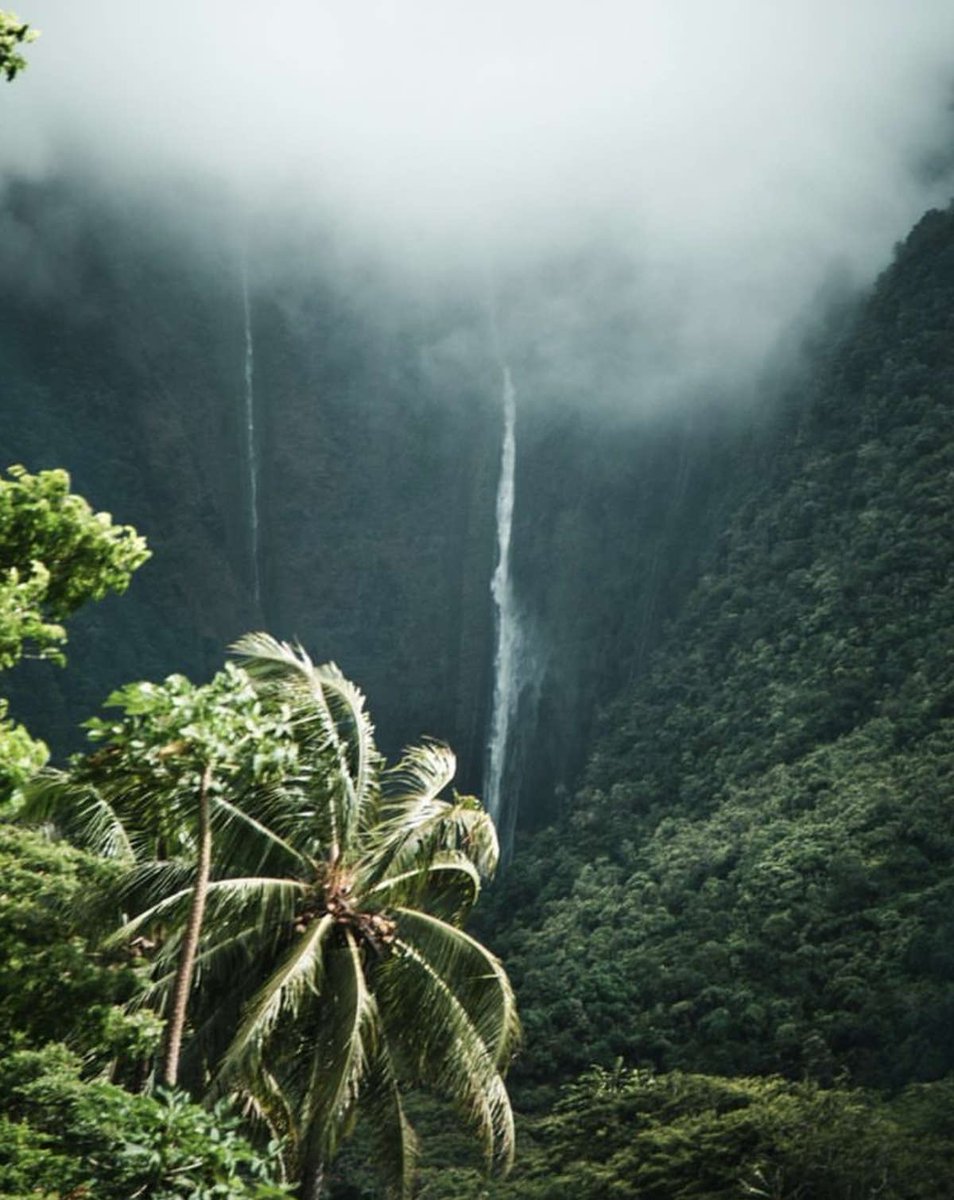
point(578, 378)
point(729, 161)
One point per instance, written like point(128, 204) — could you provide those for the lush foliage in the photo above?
point(14, 33)
point(315, 898)
point(64, 1136)
point(64, 1128)
point(642, 1136)
point(635, 1134)
point(55, 554)
point(21, 755)
point(804, 925)
point(51, 983)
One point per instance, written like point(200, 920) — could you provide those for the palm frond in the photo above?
point(341, 1048)
point(422, 774)
point(216, 1008)
point(449, 883)
point(292, 813)
point(416, 823)
point(301, 970)
point(391, 1131)
point(228, 900)
point(148, 882)
point(322, 696)
point(79, 811)
point(264, 1101)
point(264, 657)
point(356, 749)
point(440, 1046)
point(474, 974)
point(219, 959)
point(240, 836)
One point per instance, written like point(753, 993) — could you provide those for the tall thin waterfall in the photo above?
point(251, 453)
point(508, 648)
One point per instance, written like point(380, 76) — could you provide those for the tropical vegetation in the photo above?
point(56, 554)
point(298, 907)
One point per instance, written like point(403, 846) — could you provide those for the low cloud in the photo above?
point(689, 172)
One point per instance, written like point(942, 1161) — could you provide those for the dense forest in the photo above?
point(252, 946)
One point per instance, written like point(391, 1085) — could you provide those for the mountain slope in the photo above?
point(758, 872)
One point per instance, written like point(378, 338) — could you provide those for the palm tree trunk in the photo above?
point(312, 1182)
point(190, 940)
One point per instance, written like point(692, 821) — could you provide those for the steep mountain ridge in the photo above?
point(757, 872)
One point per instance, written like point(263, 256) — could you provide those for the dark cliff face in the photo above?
point(123, 354)
point(378, 421)
point(379, 460)
point(614, 515)
point(117, 363)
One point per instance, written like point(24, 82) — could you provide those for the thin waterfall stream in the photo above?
point(251, 453)
point(508, 634)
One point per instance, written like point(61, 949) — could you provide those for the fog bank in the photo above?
point(697, 170)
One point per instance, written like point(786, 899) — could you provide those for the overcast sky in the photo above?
point(734, 151)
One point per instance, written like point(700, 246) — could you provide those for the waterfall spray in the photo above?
point(507, 654)
point(251, 456)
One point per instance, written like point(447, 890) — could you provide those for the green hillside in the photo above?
point(757, 873)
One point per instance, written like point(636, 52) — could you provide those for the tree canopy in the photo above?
point(56, 554)
point(14, 33)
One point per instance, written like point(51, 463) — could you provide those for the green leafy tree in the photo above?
point(52, 984)
point(56, 553)
point(21, 755)
point(65, 1136)
point(14, 33)
point(332, 960)
point(163, 775)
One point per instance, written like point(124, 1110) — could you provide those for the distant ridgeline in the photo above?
point(758, 873)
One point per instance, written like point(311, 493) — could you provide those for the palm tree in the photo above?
point(332, 966)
